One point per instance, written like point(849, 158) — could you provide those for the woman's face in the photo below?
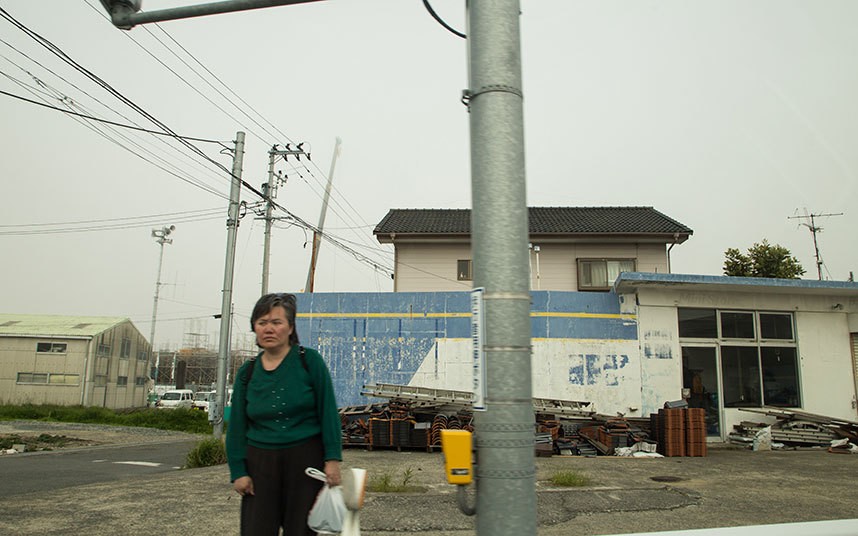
point(273, 330)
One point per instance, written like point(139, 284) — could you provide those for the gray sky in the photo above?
point(728, 116)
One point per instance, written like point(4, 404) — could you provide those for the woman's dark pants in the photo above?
point(283, 494)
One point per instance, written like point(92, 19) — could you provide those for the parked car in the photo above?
point(176, 398)
point(202, 399)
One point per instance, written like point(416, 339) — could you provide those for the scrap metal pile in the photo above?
point(796, 429)
point(413, 417)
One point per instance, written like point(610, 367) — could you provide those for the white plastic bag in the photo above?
point(328, 514)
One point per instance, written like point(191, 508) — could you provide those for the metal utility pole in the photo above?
point(160, 236)
point(317, 235)
point(270, 191)
point(226, 303)
point(813, 230)
point(506, 487)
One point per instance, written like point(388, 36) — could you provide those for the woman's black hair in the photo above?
point(278, 299)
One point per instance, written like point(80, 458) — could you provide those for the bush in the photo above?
point(208, 452)
point(569, 479)
point(181, 420)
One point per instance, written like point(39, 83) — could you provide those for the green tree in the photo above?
point(762, 260)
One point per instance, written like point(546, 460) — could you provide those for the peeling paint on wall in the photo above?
point(389, 337)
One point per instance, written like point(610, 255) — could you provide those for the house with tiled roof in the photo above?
point(72, 360)
point(571, 248)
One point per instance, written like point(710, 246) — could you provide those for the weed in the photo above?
point(384, 483)
point(206, 453)
point(569, 479)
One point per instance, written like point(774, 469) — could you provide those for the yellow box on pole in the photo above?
point(456, 445)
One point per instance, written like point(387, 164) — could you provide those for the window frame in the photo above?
point(51, 347)
point(605, 260)
point(466, 275)
point(759, 343)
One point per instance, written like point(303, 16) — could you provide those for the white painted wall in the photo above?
point(431, 266)
point(604, 373)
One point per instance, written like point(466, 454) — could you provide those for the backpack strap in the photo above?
point(302, 352)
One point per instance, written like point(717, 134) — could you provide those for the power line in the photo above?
point(106, 121)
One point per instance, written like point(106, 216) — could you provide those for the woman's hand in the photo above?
point(332, 471)
point(243, 486)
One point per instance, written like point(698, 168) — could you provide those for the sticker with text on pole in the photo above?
point(478, 338)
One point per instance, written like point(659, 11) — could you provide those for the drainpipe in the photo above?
point(84, 398)
point(675, 241)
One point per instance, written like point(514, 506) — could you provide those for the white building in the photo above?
point(91, 361)
point(571, 248)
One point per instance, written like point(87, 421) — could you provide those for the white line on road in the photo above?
point(144, 464)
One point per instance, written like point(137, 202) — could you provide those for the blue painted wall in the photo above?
point(385, 337)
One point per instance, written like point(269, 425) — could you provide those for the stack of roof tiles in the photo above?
point(679, 431)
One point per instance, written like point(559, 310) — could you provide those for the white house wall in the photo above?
point(431, 267)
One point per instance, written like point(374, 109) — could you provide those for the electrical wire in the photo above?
point(106, 121)
point(47, 44)
point(441, 21)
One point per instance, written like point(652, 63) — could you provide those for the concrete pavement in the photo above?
point(730, 487)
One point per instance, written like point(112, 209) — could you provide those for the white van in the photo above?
point(176, 398)
point(202, 399)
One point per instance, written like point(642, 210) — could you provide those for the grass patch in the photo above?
point(387, 483)
point(180, 420)
point(206, 453)
point(569, 479)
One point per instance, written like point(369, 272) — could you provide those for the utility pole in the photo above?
point(270, 191)
point(317, 235)
point(505, 472)
point(216, 413)
point(813, 230)
point(160, 236)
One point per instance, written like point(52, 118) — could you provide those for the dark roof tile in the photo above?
point(543, 220)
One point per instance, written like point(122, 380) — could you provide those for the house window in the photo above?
point(121, 381)
point(758, 354)
point(698, 323)
point(600, 274)
point(125, 349)
point(100, 380)
point(32, 377)
point(64, 379)
point(142, 355)
point(103, 350)
point(737, 325)
point(140, 380)
point(464, 270)
point(51, 347)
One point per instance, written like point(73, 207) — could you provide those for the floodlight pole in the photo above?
point(506, 471)
point(160, 236)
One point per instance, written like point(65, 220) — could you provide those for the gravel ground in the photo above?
point(729, 487)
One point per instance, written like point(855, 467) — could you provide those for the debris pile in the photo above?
point(796, 429)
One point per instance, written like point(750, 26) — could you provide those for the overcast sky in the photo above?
point(728, 116)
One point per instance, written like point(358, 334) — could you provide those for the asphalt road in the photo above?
point(50, 471)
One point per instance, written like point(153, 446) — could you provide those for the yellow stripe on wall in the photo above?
point(609, 316)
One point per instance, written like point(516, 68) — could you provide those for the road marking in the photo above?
point(98, 461)
point(144, 464)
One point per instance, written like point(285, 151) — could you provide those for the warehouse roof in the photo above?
point(20, 325)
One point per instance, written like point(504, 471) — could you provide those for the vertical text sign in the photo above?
point(478, 336)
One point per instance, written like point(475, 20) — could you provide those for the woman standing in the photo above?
point(284, 419)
